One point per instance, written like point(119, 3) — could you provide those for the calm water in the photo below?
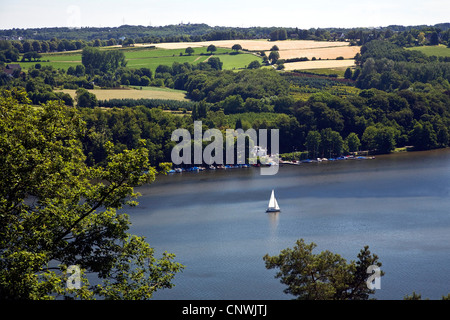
point(215, 222)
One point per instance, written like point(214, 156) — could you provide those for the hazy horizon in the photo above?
point(27, 14)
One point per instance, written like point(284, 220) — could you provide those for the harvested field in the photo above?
point(288, 49)
point(319, 64)
point(145, 93)
point(348, 52)
point(255, 45)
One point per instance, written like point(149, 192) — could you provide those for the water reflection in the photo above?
point(273, 221)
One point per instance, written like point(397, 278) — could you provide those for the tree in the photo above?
point(80, 70)
point(215, 63)
point(322, 276)
point(96, 61)
point(233, 104)
point(352, 141)
point(36, 46)
point(279, 34)
point(31, 55)
point(56, 212)
point(380, 138)
point(236, 47)
point(254, 65)
point(331, 142)
point(434, 39)
point(421, 38)
point(97, 43)
point(189, 51)
point(85, 99)
point(128, 42)
point(348, 73)
point(274, 56)
point(423, 136)
point(211, 48)
point(313, 142)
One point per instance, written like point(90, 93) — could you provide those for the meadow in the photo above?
point(438, 51)
point(151, 57)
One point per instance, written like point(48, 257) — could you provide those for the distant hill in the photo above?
point(189, 32)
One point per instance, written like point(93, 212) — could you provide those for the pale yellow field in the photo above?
point(106, 94)
point(348, 52)
point(319, 64)
point(255, 45)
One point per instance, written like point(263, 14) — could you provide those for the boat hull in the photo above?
point(273, 210)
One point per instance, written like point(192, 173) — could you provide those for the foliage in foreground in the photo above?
point(56, 212)
point(323, 276)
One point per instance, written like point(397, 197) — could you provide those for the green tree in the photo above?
point(348, 73)
point(322, 276)
point(189, 51)
point(233, 104)
point(31, 55)
point(274, 56)
point(128, 42)
point(86, 99)
point(236, 47)
point(380, 138)
point(352, 141)
point(423, 136)
point(215, 63)
point(313, 142)
point(434, 39)
point(96, 61)
point(211, 48)
point(254, 65)
point(57, 212)
point(274, 48)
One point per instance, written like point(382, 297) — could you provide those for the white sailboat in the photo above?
point(273, 204)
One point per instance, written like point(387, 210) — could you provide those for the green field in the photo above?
point(439, 51)
point(151, 58)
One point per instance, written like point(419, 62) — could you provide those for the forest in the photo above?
point(392, 99)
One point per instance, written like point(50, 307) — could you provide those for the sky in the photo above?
point(233, 13)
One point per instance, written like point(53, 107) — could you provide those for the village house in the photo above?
point(11, 68)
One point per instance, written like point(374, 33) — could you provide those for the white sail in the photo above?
point(273, 204)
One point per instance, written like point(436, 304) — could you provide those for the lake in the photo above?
point(215, 222)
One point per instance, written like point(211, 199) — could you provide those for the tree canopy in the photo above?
point(55, 211)
point(322, 276)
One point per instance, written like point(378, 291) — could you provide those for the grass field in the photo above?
point(439, 51)
point(147, 57)
point(134, 93)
